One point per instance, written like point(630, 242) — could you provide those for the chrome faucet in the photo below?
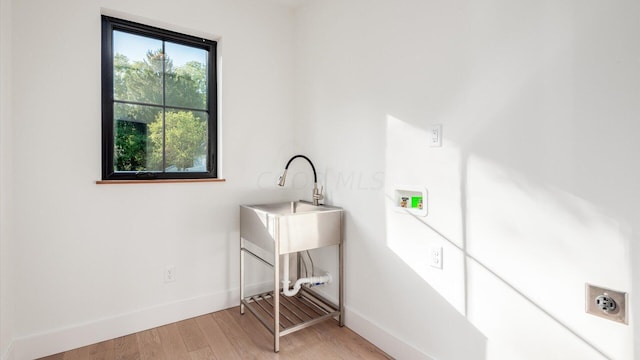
point(317, 195)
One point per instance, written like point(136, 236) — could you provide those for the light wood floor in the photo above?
point(228, 335)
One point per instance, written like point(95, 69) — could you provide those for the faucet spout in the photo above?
point(317, 195)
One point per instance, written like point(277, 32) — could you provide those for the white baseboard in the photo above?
point(381, 338)
point(63, 339)
point(8, 355)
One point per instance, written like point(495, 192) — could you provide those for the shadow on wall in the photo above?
point(471, 262)
point(436, 329)
point(517, 252)
point(525, 204)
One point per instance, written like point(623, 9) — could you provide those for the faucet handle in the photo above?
point(317, 195)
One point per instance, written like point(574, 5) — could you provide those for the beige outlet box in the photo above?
point(606, 303)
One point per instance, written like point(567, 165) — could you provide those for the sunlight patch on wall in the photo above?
point(516, 252)
point(410, 161)
point(530, 249)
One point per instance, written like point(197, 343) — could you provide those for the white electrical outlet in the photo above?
point(435, 257)
point(170, 274)
point(435, 135)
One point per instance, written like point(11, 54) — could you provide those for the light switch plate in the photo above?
point(619, 314)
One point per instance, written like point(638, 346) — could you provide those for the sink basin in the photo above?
point(291, 226)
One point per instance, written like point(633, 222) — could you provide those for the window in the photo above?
point(158, 103)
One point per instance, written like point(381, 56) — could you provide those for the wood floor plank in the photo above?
point(348, 343)
point(218, 342)
point(150, 346)
point(102, 351)
point(202, 354)
point(237, 337)
point(77, 354)
point(191, 334)
point(126, 348)
point(172, 342)
point(59, 356)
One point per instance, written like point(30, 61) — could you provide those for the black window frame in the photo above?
point(109, 24)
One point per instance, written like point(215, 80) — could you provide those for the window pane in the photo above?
point(134, 146)
point(137, 68)
point(186, 76)
point(185, 141)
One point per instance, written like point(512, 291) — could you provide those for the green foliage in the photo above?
point(185, 139)
point(140, 81)
point(187, 86)
point(138, 128)
point(130, 146)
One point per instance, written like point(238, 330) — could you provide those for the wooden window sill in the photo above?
point(159, 181)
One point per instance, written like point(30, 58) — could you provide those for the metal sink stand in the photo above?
point(281, 314)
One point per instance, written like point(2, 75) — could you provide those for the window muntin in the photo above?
point(159, 103)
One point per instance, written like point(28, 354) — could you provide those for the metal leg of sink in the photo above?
point(341, 283)
point(241, 277)
point(276, 302)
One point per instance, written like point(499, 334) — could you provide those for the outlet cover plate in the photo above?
point(435, 257)
point(170, 274)
point(435, 136)
point(618, 315)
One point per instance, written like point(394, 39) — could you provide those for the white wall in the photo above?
point(533, 193)
point(6, 277)
point(89, 259)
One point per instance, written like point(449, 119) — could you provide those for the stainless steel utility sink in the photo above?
point(282, 229)
point(291, 226)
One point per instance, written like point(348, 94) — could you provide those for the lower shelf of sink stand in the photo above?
point(296, 312)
